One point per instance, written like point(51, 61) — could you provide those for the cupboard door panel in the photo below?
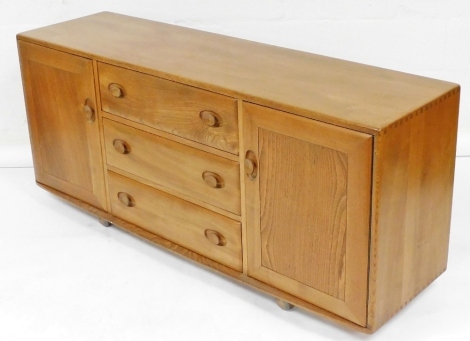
point(60, 97)
point(308, 209)
point(54, 126)
point(303, 189)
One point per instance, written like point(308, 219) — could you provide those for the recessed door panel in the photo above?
point(303, 188)
point(60, 127)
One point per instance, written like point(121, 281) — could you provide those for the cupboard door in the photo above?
point(307, 205)
point(60, 103)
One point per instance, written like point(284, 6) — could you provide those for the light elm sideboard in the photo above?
point(324, 183)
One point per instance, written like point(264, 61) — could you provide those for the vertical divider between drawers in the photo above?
point(100, 122)
point(241, 153)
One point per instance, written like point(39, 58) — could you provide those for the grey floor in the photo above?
point(63, 276)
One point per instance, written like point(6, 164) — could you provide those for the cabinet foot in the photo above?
point(284, 305)
point(104, 222)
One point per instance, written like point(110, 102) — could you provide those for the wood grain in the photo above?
point(242, 185)
point(171, 107)
point(303, 190)
point(177, 220)
point(169, 136)
point(175, 193)
point(172, 165)
point(331, 216)
point(100, 128)
point(343, 93)
point(66, 147)
point(413, 176)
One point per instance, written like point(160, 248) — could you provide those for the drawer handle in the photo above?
point(121, 146)
point(126, 199)
point(215, 237)
point(210, 118)
point(116, 90)
point(251, 165)
point(213, 179)
point(89, 111)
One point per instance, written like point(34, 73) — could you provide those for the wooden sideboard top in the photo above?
point(352, 95)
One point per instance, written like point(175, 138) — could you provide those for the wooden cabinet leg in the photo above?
point(284, 305)
point(104, 222)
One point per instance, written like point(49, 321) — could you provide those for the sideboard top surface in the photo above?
point(352, 95)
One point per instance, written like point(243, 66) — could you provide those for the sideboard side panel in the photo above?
point(414, 162)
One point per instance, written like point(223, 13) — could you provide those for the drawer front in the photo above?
point(193, 227)
point(182, 110)
point(190, 171)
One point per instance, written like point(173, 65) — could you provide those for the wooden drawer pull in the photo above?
point(215, 237)
point(89, 111)
point(251, 166)
point(126, 199)
point(116, 90)
point(213, 179)
point(210, 118)
point(121, 146)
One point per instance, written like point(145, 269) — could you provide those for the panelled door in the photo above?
point(307, 204)
point(60, 102)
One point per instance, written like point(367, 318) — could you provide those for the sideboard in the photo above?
point(324, 183)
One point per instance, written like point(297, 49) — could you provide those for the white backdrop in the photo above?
point(425, 37)
point(64, 277)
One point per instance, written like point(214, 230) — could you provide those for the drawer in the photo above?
point(182, 110)
point(190, 171)
point(191, 226)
